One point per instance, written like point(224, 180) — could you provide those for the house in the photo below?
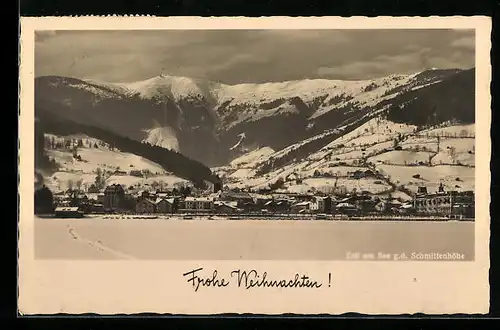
point(406, 209)
point(381, 206)
point(68, 212)
point(348, 199)
point(421, 190)
point(76, 197)
point(129, 202)
point(242, 197)
point(114, 195)
point(280, 205)
point(162, 194)
point(100, 198)
point(224, 207)
point(393, 205)
point(165, 205)
point(358, 174)
point(369, 173)
point(198, 204)
point(301, 207)
point(347, 208)
point(463, 204)
point(259, 200)
point(321, 204)
point(441, 203)
point(303, 197)
point(96, 208)
point(145, 205)
point(366, 204)
point(147, 194)
point(463, 210)
point(136, 173)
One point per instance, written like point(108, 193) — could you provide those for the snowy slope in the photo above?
point(161, 86)
point(98, 156)
point(251, 158)
point(164, 137)
point(370, 146)
point(240, 103)
point(216, 113)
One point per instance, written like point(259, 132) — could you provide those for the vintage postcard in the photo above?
point(254, 165)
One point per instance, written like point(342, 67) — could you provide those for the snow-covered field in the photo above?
point(128, 180)
point(102, 158)
point(327, 185)
point(163, 239)
point(431, 176)
point(373, 142)
point(402, 157)
point(453, 130)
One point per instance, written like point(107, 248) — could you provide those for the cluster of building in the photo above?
point(444, 203)
point(114, 199)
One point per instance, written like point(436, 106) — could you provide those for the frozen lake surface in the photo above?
point(106, 237)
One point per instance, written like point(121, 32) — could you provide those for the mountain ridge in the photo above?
point(207, 118)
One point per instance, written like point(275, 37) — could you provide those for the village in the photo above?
point(123, 184)
point(236, 203)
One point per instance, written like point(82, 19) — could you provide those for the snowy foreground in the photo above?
point(156, 239)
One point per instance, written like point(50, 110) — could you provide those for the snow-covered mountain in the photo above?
point(164, 137)
point(379, 156)
point(214, 122)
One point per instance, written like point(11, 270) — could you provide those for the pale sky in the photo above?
point(240, 56)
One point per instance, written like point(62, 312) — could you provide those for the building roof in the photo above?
point(341, 205)
point(235, 194)
point(198, 199)
point(168, 200)
point(260, 196)
point(146, 200)
point(232, 205)
point(113, 187)
point(67, 209)
point(457, 205)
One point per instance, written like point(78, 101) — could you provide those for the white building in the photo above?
point(198, 204)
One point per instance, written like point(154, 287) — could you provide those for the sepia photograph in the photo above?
point(215, 157)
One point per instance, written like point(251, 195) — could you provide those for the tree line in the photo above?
point(170, 160)
point(452, 99)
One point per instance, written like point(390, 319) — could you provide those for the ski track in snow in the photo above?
point(97, 245)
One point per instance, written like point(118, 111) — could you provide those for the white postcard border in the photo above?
point(133, 286)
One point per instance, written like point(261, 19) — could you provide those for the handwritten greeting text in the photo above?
point(247, 279)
